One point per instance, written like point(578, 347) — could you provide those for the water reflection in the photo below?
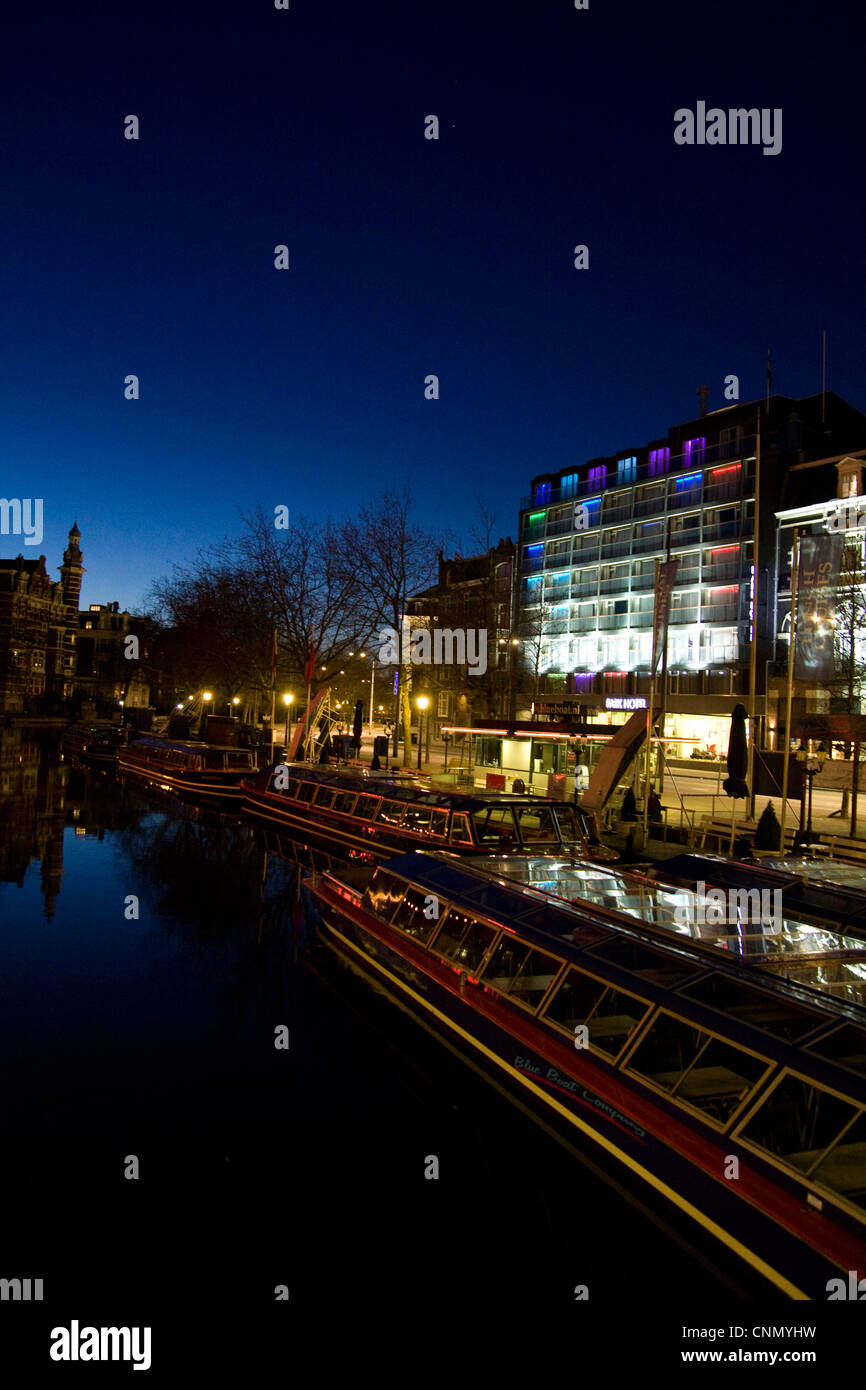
point(32, 811)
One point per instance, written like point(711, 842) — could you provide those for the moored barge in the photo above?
point(201, 769)
point(375, 815)
point(727, 1077)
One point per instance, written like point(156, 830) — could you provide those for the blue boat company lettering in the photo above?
point(567, 1083)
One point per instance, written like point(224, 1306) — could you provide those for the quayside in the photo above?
point(731, 1081)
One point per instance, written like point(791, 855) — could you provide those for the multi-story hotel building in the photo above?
point(587, 572)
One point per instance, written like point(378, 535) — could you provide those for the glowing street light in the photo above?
point(287, 700)
point(422, 702)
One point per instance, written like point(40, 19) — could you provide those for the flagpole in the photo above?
point(795, 565)
point(649, 716)
point(273, 690)
point(753, 650)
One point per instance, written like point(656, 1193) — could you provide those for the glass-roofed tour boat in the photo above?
point(376, 814)
point(201, 769)
point(719, 1064)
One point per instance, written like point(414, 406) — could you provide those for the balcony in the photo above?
point(640, 619)
point(584, 589)
point(654, 507)
point(561, 528)
point(719, 613)
point(643, 545)
point(609, 621)
point(587, 555)
point(723, 531)
point(688, 497)
point(610, 550)
point(560, 561)
point(643, 581)
point(731, 572)
point(689, 576)
point(689, 536)
point(613, 514)
point(684, 615)
point(532, 566)
point(722, 492)
point(615, 586)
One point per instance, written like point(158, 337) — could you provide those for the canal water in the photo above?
point(161, 1155)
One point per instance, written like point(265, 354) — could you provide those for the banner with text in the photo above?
point(666, 576)
point(820, 557)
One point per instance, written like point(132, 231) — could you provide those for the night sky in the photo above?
point(407, 256)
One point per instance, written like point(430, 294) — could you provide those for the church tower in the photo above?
point(71, 574)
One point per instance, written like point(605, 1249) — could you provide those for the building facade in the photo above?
point(38, 626)
point(591, 537)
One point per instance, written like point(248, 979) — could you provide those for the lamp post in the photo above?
point(206, 696)
point(813, 762)
point(234, 701)
point(287, 700)
point(422, 702)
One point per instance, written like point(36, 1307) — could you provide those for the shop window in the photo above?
point(814, 1132)
point(609, 1015)
point(489, 752)
point(695, 1069)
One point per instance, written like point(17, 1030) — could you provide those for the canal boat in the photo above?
point(200, 769)
point(720, 1069)
point(94, 745)
point(376, 814)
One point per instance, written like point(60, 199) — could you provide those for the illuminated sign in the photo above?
point(625, 702)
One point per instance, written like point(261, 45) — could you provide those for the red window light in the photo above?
point(729, 468)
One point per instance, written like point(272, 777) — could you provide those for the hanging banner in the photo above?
point(820, 558)
point(666, 576)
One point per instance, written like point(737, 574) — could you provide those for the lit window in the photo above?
point(694, 449)
point(596, 478)
point(626, 470)
point(659, 461)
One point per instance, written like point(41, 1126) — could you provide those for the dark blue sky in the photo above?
point(408, 256)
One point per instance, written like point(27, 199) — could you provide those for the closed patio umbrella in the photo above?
point(358, 725)
point(735, 783)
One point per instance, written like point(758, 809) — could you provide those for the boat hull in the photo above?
point(760, 1220)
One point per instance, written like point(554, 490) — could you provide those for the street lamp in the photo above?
point(422, 702)
point(287, 700)
point(813, 762)
point(234, 701)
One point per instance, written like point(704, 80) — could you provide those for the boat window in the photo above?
point(440, 823)
point(814, 1132)
point(417, 818)
point(460, 828)
point(418, 914)
point(383, 893)
point(391, 812)
point(306, 790)
point(776, 1015)
point(345, 802)
point(697, 1070)
point(537, 825)
point(494, 825)
point(568, 825)
point(846, 1046)
point(520, 971)
point(464, 940)
point(238, 760)
point(609, 1015)
point(213, 760)
point(366, 807)
point(325, 798)
point(655, 967)
point(294, 784)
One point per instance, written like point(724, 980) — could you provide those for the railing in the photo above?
point(721, 492)
point(643, 581)
point(613, 620)
point(642, 545)
point(584, 590)
point(615, 586)
point(690, 537)
point(719, 612)
point(640, 619)
point(723, 531)
point(562, 561)
point(650, 508)
point(689, 576)
point(721, 572)
point(587, 555)
point(689, 497)
point(611, 549)
point(560, 528)
point(678, 463)
point(612, 514)
point(684, 615)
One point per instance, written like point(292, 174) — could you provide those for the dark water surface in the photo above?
point(154, 1037)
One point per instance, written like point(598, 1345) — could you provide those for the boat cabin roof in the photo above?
point(385, 784)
